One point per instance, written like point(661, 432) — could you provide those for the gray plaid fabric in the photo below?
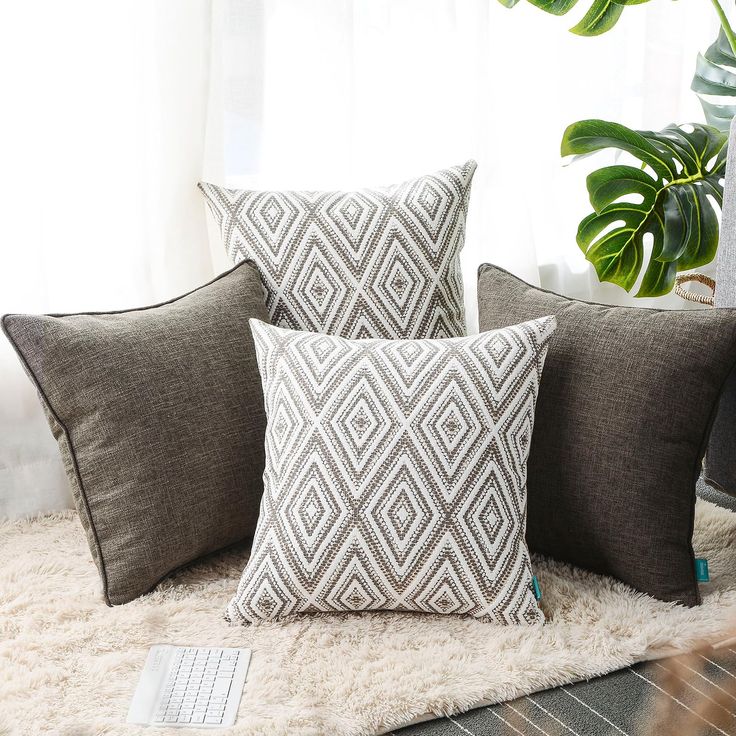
point(395, 475)
point(158, 413)
point(370, 263)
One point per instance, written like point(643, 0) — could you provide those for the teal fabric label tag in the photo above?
point(536, 588)
point(701, 570)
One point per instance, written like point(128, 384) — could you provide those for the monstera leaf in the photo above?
point(715, 82)
point(600, 17)
point(665, 198)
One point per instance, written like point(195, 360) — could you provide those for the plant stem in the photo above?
point(727, 29)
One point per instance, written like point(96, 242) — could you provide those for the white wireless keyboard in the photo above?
point(196, 687)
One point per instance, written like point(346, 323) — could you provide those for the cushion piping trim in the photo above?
point(67, 436)
point(485, 267)
point(702, 447)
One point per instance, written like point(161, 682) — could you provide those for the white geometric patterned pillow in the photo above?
point(395, 475)
point(370, 263)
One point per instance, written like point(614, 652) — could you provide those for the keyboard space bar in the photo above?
point(221, 687)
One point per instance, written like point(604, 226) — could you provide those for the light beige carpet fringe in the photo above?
point(69, 664)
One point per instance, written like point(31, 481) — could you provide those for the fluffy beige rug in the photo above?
point(69, 664)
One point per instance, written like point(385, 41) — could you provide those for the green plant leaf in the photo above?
point(588, 136)
point(669, 207)
point(711, 79)
point(714, 78)
point(720, 51)
point(555, 7)
point(692, 149)
point(679, 214)
point(691, 225)
point(606, 185)
point(659, 278)
point(719, 116)
point(617, 255)
point(602, 16)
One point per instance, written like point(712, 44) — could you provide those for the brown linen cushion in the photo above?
point(159, 417)
point(625, 407)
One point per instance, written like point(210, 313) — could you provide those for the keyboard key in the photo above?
point(216, 719)
point(221, 687)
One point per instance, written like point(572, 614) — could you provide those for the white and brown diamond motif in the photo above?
point(313, 514)
point(381, 263)
point(402, 518)
point(359, 425)
point(388, 492)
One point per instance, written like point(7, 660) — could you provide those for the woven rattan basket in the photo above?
point(691, 296)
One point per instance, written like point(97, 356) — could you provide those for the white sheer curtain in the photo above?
point(112, 112)
point(338, 93)
point(101, 144)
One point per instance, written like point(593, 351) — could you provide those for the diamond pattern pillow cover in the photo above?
point(381, 263)
point(395, 475)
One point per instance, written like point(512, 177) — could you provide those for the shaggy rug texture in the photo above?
point(69, 664)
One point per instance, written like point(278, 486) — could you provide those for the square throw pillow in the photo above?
point(159, 417)
point(395, 475)
point(623, 417)
point(379, 263)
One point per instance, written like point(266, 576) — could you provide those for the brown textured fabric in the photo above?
point(719, 469)
point(625, 406)
point(159, 417)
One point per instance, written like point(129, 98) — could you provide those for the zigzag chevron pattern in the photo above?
point(395, 475)
point(379, 263)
